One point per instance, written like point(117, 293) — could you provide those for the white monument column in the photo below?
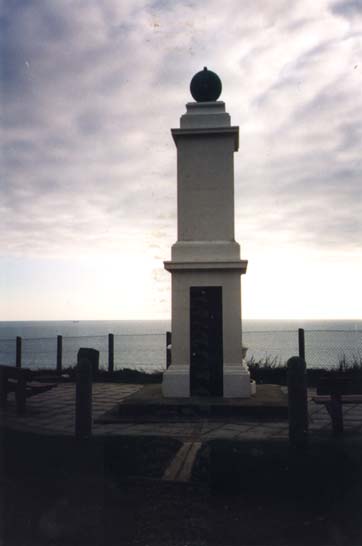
point(205, 261)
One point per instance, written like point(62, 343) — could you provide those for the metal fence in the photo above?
point(136, 351)
point(323, 349)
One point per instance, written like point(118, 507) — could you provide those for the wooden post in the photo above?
point(20, 394)
point(59, 354)
point(3, 387)
point(301, 344)
point(110, 353)
point(297, 402)
point(83, 396)
point(18, 351)
point(336, 413)
point(168, 349)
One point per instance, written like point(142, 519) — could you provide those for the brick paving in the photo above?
point(53, 412)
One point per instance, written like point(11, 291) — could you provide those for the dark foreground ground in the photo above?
point(108, 492)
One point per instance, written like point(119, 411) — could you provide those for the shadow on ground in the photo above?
point(107, 491)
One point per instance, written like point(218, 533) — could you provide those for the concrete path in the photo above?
point(53, 413)
point(180, 468)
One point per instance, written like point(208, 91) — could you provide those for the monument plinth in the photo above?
point(205, 260)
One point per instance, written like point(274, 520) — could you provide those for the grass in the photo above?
point(323, 485)
point(61, 492)
point(353, 364)
point(236, 465)
point(242, 493)
point(273, 370)
point(117, 456)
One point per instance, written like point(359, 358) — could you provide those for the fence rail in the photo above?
point(152, 351)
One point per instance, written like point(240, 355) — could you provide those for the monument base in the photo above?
point(237, 383)
point(176, 382)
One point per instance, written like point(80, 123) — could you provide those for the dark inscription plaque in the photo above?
point(206, 349)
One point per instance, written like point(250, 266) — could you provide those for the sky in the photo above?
point(89, 92)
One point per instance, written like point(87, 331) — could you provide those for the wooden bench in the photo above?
point(20, 381)
point(333, 392)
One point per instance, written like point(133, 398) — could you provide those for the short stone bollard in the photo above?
point(83, 398)
point(297, 402)
point(93, 356)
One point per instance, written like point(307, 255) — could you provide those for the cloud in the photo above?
point(90, 91)
point(301, 168)
point(348, 8)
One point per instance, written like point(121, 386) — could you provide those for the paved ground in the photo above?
point(294, 504)
point(53, 413)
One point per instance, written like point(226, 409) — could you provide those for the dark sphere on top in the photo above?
point(205, 86)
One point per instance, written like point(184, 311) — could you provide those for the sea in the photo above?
point(141, 344)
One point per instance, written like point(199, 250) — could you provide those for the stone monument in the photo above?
point(205, 260)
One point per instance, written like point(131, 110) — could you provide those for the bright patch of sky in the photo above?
point(89, 92)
